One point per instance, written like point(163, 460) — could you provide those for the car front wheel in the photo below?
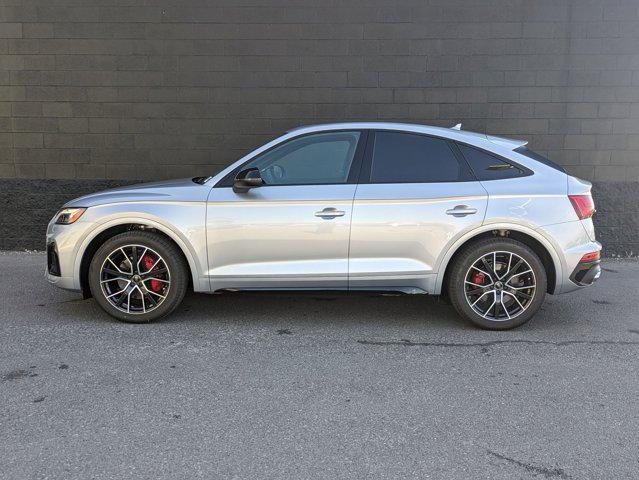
point(138, 276)
point(497, 284)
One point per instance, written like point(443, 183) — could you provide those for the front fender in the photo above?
point(189, 234)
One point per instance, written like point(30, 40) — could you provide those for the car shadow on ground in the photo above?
point(322, 308)
point(315, 309)
point(588, 310)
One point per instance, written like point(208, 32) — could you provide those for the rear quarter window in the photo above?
point(490, 167)
point(539, 158)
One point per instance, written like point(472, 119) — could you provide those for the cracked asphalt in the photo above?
point(316, 386)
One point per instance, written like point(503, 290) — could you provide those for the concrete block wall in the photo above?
point(120, 90)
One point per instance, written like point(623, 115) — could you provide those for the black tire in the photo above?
point(169, 253)
point(463, 264)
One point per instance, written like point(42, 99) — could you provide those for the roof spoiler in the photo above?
point(504, 142)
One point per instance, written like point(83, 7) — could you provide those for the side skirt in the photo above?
point(391, 290)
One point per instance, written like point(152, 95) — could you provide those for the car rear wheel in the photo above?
point(138, 276)
point(497, 284)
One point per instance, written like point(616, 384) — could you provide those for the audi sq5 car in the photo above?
point(382, 207)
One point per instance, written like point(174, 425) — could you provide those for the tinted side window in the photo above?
point(324, 158)
point(487, 166)
point(412, 158)
point(540, 158)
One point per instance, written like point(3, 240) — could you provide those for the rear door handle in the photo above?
point(461, 211)
point(329, 213)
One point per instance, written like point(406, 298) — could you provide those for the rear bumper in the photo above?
point(586, 273)
point(572, 242)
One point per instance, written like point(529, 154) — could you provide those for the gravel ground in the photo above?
point(316, 386)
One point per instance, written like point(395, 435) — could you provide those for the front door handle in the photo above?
point(329, 213)
point(461, 211)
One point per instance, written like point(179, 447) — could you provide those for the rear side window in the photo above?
point(540, 158)
point(489, 167)
point(400, 157)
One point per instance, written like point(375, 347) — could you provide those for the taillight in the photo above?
point(583, 205)
point(589, 257)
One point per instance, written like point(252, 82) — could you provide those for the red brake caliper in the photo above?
point(148, 263)
point(479, 278)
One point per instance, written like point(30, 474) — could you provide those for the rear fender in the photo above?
point(548, 244)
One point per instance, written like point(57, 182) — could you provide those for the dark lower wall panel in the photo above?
point(30, 204)
point(617, 217)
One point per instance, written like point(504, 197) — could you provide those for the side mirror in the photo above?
point(247, 179)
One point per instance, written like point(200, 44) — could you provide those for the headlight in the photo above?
point(68, 215)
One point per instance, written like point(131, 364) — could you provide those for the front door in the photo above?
point(292, 232)
point(414, 199)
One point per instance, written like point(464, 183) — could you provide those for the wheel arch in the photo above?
point(92, 243)
point(538, 243)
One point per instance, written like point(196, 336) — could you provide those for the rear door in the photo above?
point(415, 197)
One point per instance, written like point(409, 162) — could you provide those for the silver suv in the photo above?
point(348, 206)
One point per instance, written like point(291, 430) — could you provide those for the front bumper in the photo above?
point(63, 243)
point(53, 262)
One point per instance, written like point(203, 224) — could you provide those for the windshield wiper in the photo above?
point(201, 180)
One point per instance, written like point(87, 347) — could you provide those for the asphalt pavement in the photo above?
point(316, 386)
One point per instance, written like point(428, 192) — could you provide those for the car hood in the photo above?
point(180, 190)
